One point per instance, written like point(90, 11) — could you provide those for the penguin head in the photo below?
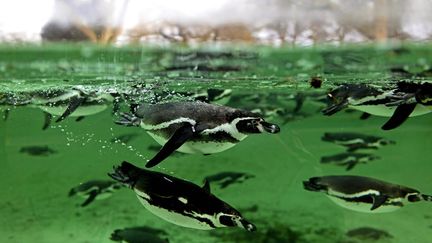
point(339, 99)
point(255, 125)
point(341, 96)
point(235, 220)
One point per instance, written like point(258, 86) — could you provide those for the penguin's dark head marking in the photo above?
point(414, 197)
point(255, 125)
point(232, 220)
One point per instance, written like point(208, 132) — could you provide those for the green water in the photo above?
point(35, 206)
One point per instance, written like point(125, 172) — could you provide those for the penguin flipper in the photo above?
point(128, 119)
point(74, 103)
point(179, 137)
point(401, 113)
point(47, 120)
point(91, 198)
point(378, 200)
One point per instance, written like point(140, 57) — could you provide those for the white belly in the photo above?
point(80, 111)
point(174, 218)
point(382, 110)
point(196, 147)
point(363, 207)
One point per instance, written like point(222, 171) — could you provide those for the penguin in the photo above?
point(398, 102)
point(178, 201)
point(38, 150)
point(225, 179)
point(142, 234)
point(95, 189)
point(195, 127)
point(350, 160)
point(76, 102)
point(364, 194)
point(355, 141)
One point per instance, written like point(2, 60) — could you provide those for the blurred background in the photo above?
point(191, 22)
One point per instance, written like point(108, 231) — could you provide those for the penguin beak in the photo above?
point(269, 127)
point(335, 108)
point(248, 226)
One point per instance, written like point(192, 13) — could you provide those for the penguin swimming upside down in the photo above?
point(195, 127)
point(178, 201)
point(399, 102)
point(364, 194)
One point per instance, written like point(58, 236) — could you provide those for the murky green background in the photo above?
point(34, 204)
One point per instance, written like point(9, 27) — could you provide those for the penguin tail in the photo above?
point(126, 173)
point(313, 185)
point(128, 119)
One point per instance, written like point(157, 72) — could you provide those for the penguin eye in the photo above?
point(413, 198)
point(226, 220)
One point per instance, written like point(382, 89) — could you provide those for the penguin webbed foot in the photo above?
point(119, 176)
point(128, 119)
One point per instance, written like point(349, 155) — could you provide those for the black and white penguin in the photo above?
point(195, 127)
point(178, 201)
point(225, 179)
point(95, 189)
point(398, 102)
point(355, 141)
point(364, 194)
point(76, 102)
point(350, 160)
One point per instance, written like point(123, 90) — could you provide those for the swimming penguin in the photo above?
point(398, 102)
point(195, 127)
point(76, 102)
point(141, 234)
point(350, 160)
point(364, 194)
point(225, 179)
point(95, 189)
point(178, 201)
point(355, 141)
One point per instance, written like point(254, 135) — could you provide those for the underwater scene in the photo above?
point(215, 144)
